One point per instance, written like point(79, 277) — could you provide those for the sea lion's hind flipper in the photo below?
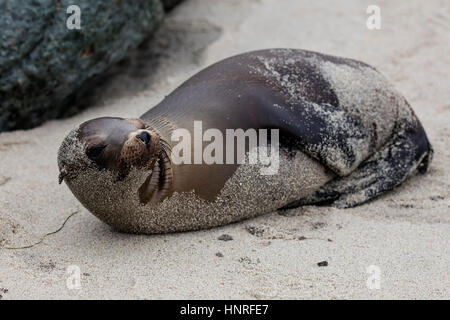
point(407, 151)
point(334, 137)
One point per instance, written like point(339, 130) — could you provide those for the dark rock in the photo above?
point(322, 263)
point(225, 237)
point(406, 205)
point(255, 231)
point(44, 65)
point(318, 225)
point(219, 254)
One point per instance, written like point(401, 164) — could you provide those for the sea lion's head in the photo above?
point(115, 165)
point(112, 144)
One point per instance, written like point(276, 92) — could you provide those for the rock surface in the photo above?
point(44, 65)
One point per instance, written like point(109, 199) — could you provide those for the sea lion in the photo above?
point(345, 136)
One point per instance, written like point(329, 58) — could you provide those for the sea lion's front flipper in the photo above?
point(407, 151)
point(334, 137)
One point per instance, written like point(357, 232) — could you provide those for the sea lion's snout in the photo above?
point(140, 149)
point(113, 144)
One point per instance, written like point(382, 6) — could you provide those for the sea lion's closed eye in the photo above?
point(95, 152)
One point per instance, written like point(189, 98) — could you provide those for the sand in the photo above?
point(402, 239)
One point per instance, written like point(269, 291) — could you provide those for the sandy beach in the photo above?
point(395, 247)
